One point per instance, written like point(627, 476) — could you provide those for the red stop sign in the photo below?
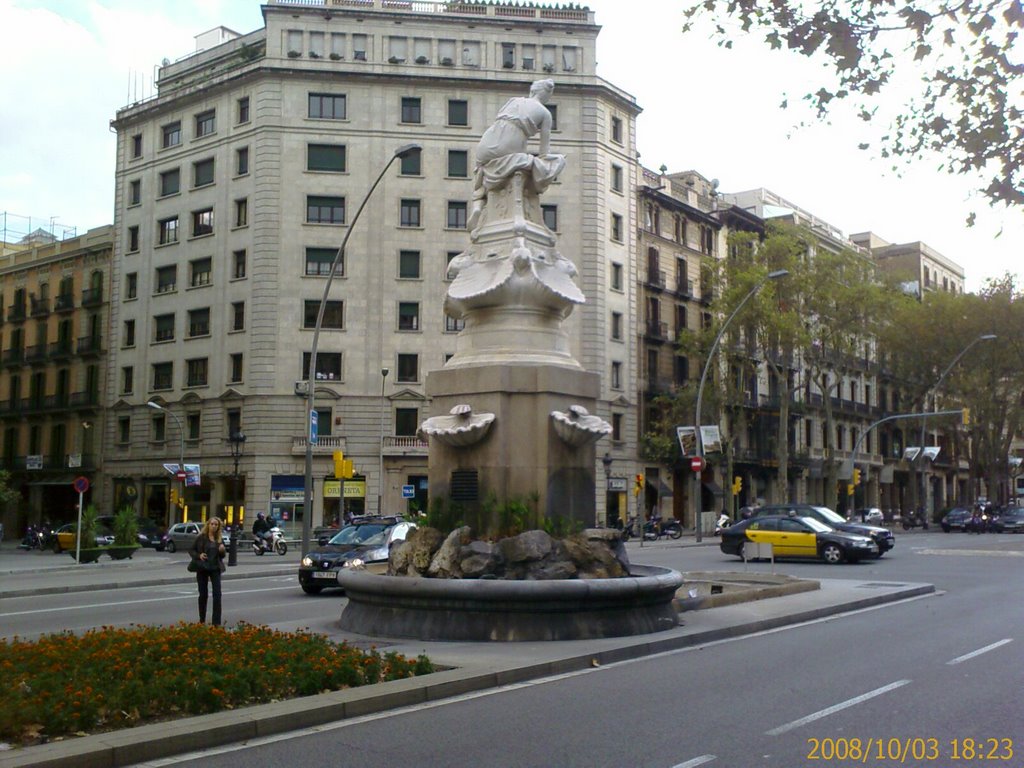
point(697, 463)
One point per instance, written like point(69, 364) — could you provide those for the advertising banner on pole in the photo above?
point(711, 439)
point(687, 437)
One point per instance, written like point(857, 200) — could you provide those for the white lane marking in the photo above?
point(980, 651)
point(177, 596)
point(836, 708)
point(972, 552)
point(695, 762)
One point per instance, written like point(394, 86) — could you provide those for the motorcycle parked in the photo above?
point(656, 527)
point(914, 519)
point(275, 543)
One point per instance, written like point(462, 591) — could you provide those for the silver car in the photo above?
point(181, 536)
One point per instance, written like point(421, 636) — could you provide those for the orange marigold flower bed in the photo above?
point(108, 678)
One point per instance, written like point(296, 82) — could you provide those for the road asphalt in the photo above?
point(468, 667)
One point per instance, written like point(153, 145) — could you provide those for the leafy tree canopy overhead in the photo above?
point(970, 104)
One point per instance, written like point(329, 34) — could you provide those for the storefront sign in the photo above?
point(353, 489)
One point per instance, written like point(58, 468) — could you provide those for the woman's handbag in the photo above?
point(193, 565)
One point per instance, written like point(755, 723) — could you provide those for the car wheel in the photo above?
point(946, 528)
point(170, 547)
point(739, 551)
point(832, 554)
point(311, 589)
point(56, 546)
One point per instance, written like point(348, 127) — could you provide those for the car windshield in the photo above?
point(817, 525)
point(829, 515)
point(364, 534)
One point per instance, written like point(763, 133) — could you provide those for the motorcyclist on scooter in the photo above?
point(261, 531)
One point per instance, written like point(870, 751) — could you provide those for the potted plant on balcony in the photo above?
point(126, 534)
point(86, 534)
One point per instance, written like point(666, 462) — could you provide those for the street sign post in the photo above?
point(81, 484)
point(314, 420)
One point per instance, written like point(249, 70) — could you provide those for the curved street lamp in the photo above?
point(775, 275)
point(237, 442)
point(307, 497)
point(181, 435)
point(934, 389)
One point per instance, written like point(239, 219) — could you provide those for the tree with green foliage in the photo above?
point(969, 106)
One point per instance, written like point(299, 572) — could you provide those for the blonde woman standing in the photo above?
point(208, 558)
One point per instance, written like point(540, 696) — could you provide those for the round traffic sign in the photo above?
point(697, 463)
point(81, 484)
point(180, 474)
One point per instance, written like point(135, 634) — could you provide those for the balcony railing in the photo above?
point(325, 444)
point(89, 345)
point(684, 287)
point(707, 294)
point(35, 353)
point(16, 313)
point(14, 356)
point(60, 349)
point(655, 278)
point(87, 399)
point(65, 302)
point(657, 330)
point(405, 445)
point(92, 296)
point(39, 307)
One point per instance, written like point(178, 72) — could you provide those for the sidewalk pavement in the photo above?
point(469, 666)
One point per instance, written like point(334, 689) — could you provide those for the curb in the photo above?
point(158, 740)
point(126, 582)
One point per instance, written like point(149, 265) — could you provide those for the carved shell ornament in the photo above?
point(577, 427)
point(461, 427)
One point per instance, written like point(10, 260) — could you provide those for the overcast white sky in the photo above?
point(68, 66)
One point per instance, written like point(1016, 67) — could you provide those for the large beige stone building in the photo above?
point(234, 188)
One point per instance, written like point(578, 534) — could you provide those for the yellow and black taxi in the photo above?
point(882, 536)
point(798, 537)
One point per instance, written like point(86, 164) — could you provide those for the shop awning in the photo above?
point(714, 488)
point(661, 489)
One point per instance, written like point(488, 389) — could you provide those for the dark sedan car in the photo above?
point(798, 537)
point(956, 519)
point(1010, 520)
point(148, 534)
point(882, 536)
point(366, 542)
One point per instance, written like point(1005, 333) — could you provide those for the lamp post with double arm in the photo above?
point(307, 496)
point(698, 443)
point(181, 436)
point(237, 442)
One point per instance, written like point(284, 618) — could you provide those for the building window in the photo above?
point(168, 231)
point(458, 112)
point(201, 271)
point(238, 316)
point(131, 285)
point(319, 260)
point(325, 157)
point(166, 278)
point(617, 130)
point(135, 192)
point(325, 210)
point(172, 134)
point(242, 212)
point(458, 163)
point(409, 213)
point(196, 372)
point(448, 274)
point(617, 326)
point(199, 322)
point(243, 110)
point(202, 173)
point(408, 316)
point(133, 239)
point(163, 327)
point(325, 106)
point(617, 427)
point(616, 178)
point(328, 366)
point(616, 227)
point(170, 182)
point(137, 145)
point(407, 421)
point(127, 381)
point(453, 324)
point(238, 270)
point(508, 55)
point(616, 380)
point(616, 276)
point(411, 164)
point(457, 212)
point(193, 423)
point(409, 264)
point(236, 367)
point(408, 368)
point(128, 339)
point(550, 214)
point(334, 314)
point(553, 110)
point(206, 123)
point(163, 376)
point(242, 161)
point(202, 222)
point(411, 111)
point(681, 370)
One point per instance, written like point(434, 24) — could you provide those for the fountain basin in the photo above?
point(497, 610)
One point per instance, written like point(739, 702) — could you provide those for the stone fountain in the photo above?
point(513, 419)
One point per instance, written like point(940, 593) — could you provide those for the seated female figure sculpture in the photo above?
point(503, 148)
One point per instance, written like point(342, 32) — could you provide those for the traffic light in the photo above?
point(849, 489)
point(174, 497)
point(965, 417)
point(856, 476)
point(343, 467)
point(737, 485)
point(638, 484)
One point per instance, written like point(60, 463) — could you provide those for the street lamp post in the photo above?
point(380, 459)
point(606, 461)
point(934, 389)
point(307, 496)
point(236, 441)
point(775, 275)
point(181, 436)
